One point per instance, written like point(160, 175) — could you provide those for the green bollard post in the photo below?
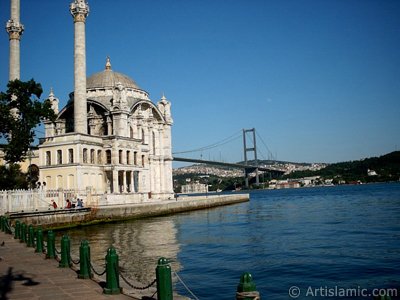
point(23, 233)
point(51, 247)
point(65, 261)
point(84, 258)
point(7, 226)
point(112, 275)
point(17, 232)
point(2, 223)
point(246, 289)
point(31, 236)
point(164, 280)
point(20, 231)
point(39, 240)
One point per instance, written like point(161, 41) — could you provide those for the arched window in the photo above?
point(108, 157)
point(48, 158)
point(71, 156)
point(120, 156)
point(59, 157)
point(99, 158)
point(92, 156)
point(128, 157)
point(85, 156)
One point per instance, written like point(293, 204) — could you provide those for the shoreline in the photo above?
point(69, 218)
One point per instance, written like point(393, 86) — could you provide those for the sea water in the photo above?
point(340, 242)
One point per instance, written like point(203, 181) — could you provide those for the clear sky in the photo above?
point(319, 80)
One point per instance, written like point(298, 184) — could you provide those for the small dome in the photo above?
point(109, 79)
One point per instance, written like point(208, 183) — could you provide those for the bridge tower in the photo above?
point(251, 148)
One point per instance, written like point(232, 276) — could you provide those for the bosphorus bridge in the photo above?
point(250, 167)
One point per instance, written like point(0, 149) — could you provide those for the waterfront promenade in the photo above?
point(25, 274)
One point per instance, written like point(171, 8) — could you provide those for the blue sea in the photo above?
point(340, 242)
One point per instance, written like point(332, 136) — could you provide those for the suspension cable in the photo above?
point(231, 138)
point(265, 145)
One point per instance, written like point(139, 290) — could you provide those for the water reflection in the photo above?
point(139, 245)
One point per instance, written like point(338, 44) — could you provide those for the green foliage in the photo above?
point(20, 112)
point(215, 183)
point(11, 177)
point(387, 168)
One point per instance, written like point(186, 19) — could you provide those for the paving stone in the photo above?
point(25, 274)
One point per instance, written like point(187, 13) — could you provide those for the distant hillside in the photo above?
point(375, 169)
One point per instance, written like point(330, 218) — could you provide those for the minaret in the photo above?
point(15, 30)
point(79, 10)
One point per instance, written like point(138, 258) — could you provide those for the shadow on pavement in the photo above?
point(7, 280)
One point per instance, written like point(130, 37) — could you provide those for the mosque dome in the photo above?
point(109, 79)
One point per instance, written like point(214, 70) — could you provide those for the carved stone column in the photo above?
point(115, 185)
point(124, 189)
point(79, 10)
point(132, 182)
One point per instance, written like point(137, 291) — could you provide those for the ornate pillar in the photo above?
point(115, 186)
point(123, 190)
point(79, 10)
point(15, 30)
point(132, 182)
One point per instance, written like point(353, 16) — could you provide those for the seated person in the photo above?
point(69, 204)
point(79, 203)
point(54, 204)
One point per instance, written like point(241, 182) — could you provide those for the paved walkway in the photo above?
point(25, 274)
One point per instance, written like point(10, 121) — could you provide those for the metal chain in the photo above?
point(58, 252)
point(136, 287)
point(9, 227)
point(98, 274)
point(73, 261)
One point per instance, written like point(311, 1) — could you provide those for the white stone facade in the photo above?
point(110, 137)
point(127, 149)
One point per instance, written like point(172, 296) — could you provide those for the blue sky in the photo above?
point(319, 80)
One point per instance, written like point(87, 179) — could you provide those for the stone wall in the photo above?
point(76, 217)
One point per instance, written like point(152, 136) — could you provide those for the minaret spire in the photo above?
point(15, 30)
point(79, 10)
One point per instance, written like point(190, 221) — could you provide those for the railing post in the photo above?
point(17, 232)
point(65, 252)
point(31, 236)
point(164, 280)
point(246, 289)
point(7, 226)
point(39, 240)
point(23, 233)
point(84, 258)
point(112, 275)
point(2, 223)
point(51, 247)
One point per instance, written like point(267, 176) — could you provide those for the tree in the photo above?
point(11, 177)
point(20, 112)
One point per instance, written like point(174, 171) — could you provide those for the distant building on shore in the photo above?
point(194, 187)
